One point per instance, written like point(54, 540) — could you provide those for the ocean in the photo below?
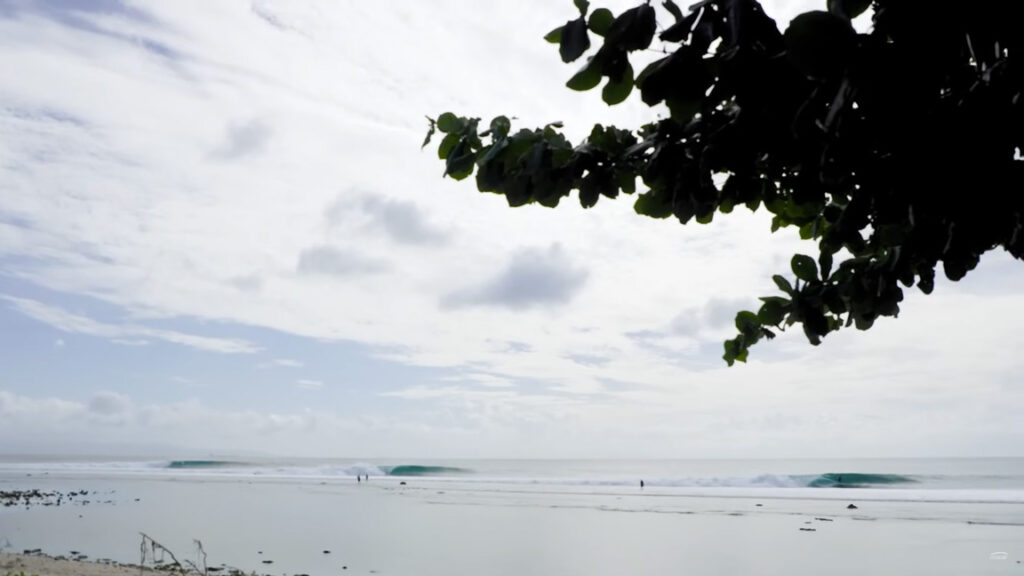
point(424, 517)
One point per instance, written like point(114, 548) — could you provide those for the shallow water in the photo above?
point(530, 525)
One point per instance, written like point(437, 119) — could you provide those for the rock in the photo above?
point(758, 505)
point(851, 507)
point(823, 519)
point(268, 561)
point(402, 483)
point(808, 529)
point(327, 551)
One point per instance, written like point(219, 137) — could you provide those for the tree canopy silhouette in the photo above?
point(892, 150)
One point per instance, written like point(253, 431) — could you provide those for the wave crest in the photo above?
point(417, 470)
point(857, 480)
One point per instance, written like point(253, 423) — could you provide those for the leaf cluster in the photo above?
point(894, 151)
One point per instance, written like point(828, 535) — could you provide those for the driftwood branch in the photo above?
point(150, 548)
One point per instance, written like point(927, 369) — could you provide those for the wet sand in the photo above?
point(42, 565)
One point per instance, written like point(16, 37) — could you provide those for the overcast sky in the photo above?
point(218, 234)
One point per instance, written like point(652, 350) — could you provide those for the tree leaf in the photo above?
point(773, 311)
point(652, 204)
point(448, 143)
point(430, 132)
point(494, 151)
point(681, 29)
point(555, 36)
point(600, 21)
point(460, 160)
point(588, 77)
point(848, 9)
point(735, 351)
point(783, 284)
point(819, 44)
point(804, 267)
point(616, 91)
point(582, 5)
point(449, 123)
point(673, 9)
point(575, 40)
point(500, 126)
point(633, 29)
point(626, 181)
point(747, 324)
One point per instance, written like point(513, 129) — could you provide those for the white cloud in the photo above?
point(531, 278)
point(244, 139)
point(307, 384)
point(122, 333)
point(330, 261)
point(280, 363)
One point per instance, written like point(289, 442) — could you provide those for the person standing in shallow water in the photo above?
point(641, 484)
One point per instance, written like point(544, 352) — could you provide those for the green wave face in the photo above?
point(857, 480)
point(416, 470)
point(183, 464)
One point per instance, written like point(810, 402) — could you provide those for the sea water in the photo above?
point(515, 517)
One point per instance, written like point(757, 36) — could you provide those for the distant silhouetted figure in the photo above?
point(359, 478)
point(641, 484)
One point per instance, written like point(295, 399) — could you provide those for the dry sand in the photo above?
point(41, 565)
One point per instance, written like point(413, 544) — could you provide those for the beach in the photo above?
point(42, 565)
point(301, 520)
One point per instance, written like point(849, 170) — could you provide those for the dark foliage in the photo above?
point(894, 151)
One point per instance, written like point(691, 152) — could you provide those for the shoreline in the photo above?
point(36, 563)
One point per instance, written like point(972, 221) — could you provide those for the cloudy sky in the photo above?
point(218, 233)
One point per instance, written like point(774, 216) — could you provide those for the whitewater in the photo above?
point(966, 474)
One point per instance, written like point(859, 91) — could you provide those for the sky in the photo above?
point(219, 235)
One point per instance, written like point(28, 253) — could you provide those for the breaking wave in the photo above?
point(857, 480)
point(417, 470)
point(199, 464)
